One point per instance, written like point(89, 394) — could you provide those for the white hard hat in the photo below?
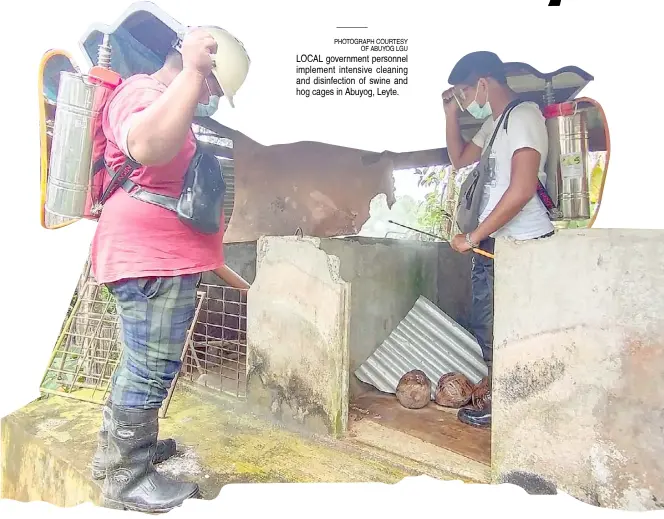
point(231, 62)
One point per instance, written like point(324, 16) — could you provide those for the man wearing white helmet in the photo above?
point(151, 261)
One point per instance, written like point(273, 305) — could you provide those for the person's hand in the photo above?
point(460, 244)
point(197, 48)
point(449, 103)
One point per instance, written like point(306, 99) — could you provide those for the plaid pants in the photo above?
point(155, 314)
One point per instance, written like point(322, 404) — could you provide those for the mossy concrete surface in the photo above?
point(297, 333)
point(47, 447)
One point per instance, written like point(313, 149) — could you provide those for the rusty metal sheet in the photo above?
point(426, 339)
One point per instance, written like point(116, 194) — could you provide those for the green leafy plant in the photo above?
point(437, 211)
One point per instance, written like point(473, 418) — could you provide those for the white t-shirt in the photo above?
point(525, 129)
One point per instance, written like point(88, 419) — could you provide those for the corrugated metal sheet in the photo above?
point(426, 339)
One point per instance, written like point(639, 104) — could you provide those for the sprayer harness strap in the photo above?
point(120, 178)
point(135, 191)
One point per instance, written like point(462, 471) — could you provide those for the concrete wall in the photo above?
point(453, 295)
point(36, 464)
point(297, 335)
point(319, 307)
point(386, 277)
point(579, 365)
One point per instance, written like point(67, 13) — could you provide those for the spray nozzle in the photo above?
point(549, 93)
point(104, 53)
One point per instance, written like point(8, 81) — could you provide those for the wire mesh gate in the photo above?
point(217, 356)
point(89, 350)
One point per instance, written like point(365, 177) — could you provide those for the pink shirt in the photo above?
point(136, 239)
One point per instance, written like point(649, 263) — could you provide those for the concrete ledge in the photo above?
point(36, 468)
point(441, 463)
point(47, 447)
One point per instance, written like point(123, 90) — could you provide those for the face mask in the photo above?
point(209, 109)
point(477, 111)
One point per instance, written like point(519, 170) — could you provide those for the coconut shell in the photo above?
point(453, 390)
point(414, 390)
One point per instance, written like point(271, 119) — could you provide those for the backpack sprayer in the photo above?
point(567, 162)
point(569, 193)
point(566, 196)
point(76, 169)
point(80, 181)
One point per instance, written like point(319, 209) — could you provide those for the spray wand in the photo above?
point(477, 251)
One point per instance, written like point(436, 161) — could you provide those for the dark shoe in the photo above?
point(165, 448)
point(132, 483)
point(475, 418)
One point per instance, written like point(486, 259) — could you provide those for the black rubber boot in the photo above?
point(165, 448)
point(480, 418)
point(132, 483)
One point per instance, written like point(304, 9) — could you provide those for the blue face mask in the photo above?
point(477, 111)
point(209, 109)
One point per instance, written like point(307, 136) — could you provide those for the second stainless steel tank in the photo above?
point(567, 162)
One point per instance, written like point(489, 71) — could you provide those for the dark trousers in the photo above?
point(481, 311)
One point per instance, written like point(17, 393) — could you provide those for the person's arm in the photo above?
point(158, 133)
point(156, 130)
point(231, 277)
point(461, 153)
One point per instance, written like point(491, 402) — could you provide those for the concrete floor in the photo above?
point(47, 447)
